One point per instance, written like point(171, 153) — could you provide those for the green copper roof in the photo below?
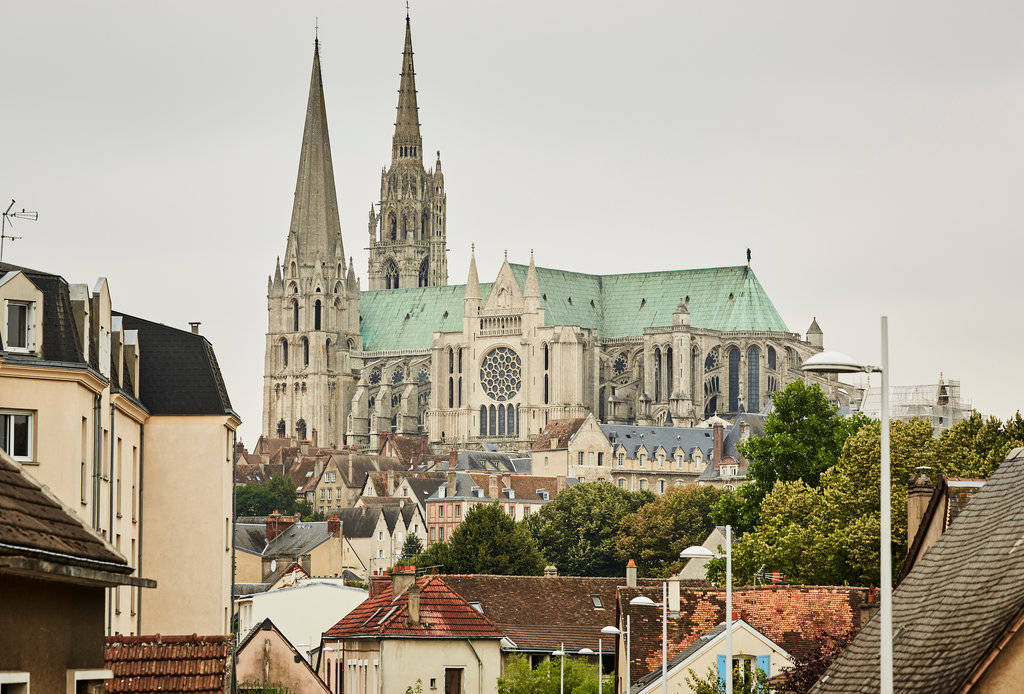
point(725, 298)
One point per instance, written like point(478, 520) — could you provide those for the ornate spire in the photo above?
point(532, 288)
point(315, 229)
point(407, 141)
point(473, 281)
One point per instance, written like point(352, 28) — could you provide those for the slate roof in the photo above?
point(178, 371)
point(297, 539)
point(524, 487)
point(360, 521)
point(32, 520)
point(798, 618)
point(477, 460)
point(726, 298)
point(631, 437)
point(424, 486)
point(61, 341)
point(540, 612)
point(557, 433)
point(250, 537)
point(443, 614)
point(147, 664)
point(959, 603)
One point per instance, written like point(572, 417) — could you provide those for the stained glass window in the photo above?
point(501, 373)
point(375, 376)
point(619, 367)
point(397, 376)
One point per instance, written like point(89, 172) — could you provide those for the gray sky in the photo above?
point(869, 154)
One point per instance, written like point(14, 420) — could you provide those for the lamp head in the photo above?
point(696, 552)
point(642, 601)
point(831, 362)
point(585, 651)
point(611, 630)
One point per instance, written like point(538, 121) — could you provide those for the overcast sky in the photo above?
point(869, 153)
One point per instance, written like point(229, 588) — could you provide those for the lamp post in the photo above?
point(561, 668)
point(590, 651)
point(839, 363)
point(698, 552)
point(615, 631)
point(644, 601)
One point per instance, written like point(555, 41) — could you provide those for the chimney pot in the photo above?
point(334, 526)
point(195, 326)
point(550, 571)
point(631, 574)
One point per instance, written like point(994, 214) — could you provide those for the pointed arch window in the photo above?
point(668, 372)
point(510, 413)
point(492, 420)
point(451, 360)
point(423, 273)
point(501, 420)
point(284, 352)
point(280, 429)
point(390, 274)
point(483, 420)
point(461, 350)
point(327, 354)
point(772, 358)
point(546, 390)
point(316, 315)
point(393, 226)
point(460, 391)
point(451, 392)
point(753, 379)
point(295, 315)
point(425, 225)
point(734, 379)
point(305, 351)
point(657, 375)
point(300, 428)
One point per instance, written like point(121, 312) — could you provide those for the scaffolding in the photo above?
point(939, 403)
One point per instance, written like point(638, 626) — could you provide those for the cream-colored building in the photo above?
point(128, 422)
point(267, 659)
point(414, 630)
point(494, 362)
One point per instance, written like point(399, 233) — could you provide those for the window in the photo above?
point(19, 327)
point(579, 458)
point(452, 680)
point(305, 351)
point(590, 458)
point(118, 492)
point(432, 535)
point(641, 459)
point(753, 379)
point(661, 461)
point(458, 510)
point(622, 483)
point(661, 486)
point(622, 458)
point(440, 510)
point(380, 536)
point(16, 434)
point(596, 599)
point(501, 374)
point(441, 534)
point(600, 459)
point(526, 511)
point(295, 315)
point(734, 379)
point(643, 484)
point(316, 314)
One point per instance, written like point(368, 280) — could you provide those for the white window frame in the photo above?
point(76, 676)
point(29, 457)
point(12, 678)
point(30, 337)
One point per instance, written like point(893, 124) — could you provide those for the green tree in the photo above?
point(744, 681)
point(657, 532)
point(437, 555)
point(580, 677)
point(979, 445)
point(263, 498)
point(576, 530)
point(416, 688)
point(412, 546)
point(488, 541)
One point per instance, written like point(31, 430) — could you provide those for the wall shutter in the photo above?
point(721, 669)
point(764, 664)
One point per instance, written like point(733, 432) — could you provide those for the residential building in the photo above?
point(413, 629)
point(129, 423)
point(398, 486)
point(266, 659)
point(376, 534)
point(518, 495)
point(492, 362)
point(754, 650)
point(318, 547)
point(54, 570)
point(343, 477)
point(407, 449)
point(957, 614)
point(160, 663)
point(796, 619)
point(575, 447)
point(301, 612)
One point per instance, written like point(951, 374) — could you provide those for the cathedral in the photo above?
point(493, 362)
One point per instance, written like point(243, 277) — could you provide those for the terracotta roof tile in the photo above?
point(149, 664)
point(443, 614)
point(557, 433)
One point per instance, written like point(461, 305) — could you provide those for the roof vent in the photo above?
point(730, 296)
point(687, 299)
point(445, 315)
point(544, 296)
point(643, 302)
point(592, 304)
point(570, 300)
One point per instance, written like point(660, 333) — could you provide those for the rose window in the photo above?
point(375, 376)
point(501, 373)
point(422, 376)
point(397, 376)
point(619, 367)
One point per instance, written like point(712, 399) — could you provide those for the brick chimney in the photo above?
point(550, 571)
point(451, 486)
point(390, 479)
point(716, 452)
point(334, 526)
point(631, 574)
point(378, 584)
point(414, 603)
point(402, 578)
point(277, 524)
point(919, 493)
point(194, 324)
point(493, 490)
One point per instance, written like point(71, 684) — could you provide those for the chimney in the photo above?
point(273, 525)
point(673, 597)
point(716, 453)
point(414, 604)
point(919, 493)
point(334, 526)
point(314, 437)
point(451, 485)
point(402, 578)
point(390, 477)
point(631, 574)
point(560, 484)
point(195, 326)
point(493, 491)
point(378, 584)
point(550, 571)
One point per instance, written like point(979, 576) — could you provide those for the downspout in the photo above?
point(97, 454)
point(479, 667)
point(234, 648)
point(142, 469)
point(110, 523)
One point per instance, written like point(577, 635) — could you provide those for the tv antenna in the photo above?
point(8, 217)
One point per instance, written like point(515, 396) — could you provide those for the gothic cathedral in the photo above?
point(493, 362)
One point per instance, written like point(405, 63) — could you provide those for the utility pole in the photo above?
point(7, 217)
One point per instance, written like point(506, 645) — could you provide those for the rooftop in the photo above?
point(146, 664)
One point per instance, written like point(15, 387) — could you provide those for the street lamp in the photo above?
point(837, 363)
point(615, 631)
point(589, 651)
point(644, 601)
point(561, 668)
point(698, 552)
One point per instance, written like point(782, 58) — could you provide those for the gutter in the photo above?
point(110, 522)
point(479, 666)
point(97, 455)
point(138, 566)
point(60, 557)
point(234, 515)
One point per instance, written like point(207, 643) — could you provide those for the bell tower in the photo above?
point(408, 245)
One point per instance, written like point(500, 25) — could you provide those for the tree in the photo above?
point(438, 556)
point(576, 530)
point(806, 673)
point(412, 546)
point(580, 677)
point(744, 681)
point(980, 445)
point(263, 498)
point(803, 436)
point(657, 532)
point(488, 541)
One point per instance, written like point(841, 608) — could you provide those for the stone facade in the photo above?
point(494, 362)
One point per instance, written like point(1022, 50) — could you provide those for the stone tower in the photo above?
point(312, 300)
point(407, 237)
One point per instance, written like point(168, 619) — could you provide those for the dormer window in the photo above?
point(19, 327)
point(509, 493)
point(596, 599)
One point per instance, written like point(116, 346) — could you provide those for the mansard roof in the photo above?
point(724, 298)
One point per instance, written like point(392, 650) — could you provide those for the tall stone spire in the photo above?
point(315, 231)
point(406, 142)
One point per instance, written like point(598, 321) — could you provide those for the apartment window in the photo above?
point(622, 483)
point(380, 536)
point(452, 680)
point(643, 485)
point(526, 511)
point(442, 533)
point(661, 461)
point(458, 510)
point(596, 599)
point(661, 486)
point(19, 326)
point(16, 434)
point(622, 459)
point(640, 460)
point(118, 493)
point(600, 459)
point(135, 481)
point(432, 535)
point(590, 458)
point(440, 510)
point(380, 553)
point(679, 461)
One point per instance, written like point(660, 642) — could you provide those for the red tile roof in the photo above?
point(557, 433)
point(443, 614)
point(146, 664)
point(797, 618)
